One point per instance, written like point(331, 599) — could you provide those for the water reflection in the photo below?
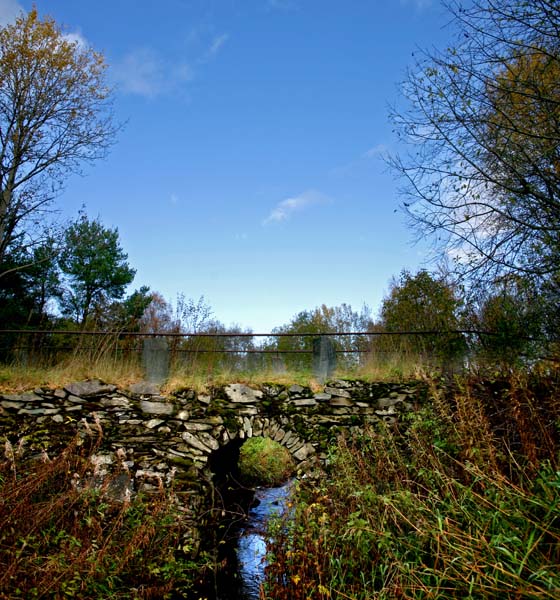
point(251, 545)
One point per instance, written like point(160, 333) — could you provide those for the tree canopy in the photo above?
point(54, 115)
point(95, 267)
point(481, 120)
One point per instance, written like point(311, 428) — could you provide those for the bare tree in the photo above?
point(54, 115)
point(482, 123)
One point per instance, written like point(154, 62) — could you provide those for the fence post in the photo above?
point(155, 359)
point(324, 358)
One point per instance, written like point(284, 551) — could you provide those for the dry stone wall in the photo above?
point(161, 439)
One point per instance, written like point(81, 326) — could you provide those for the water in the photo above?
point(251, 544)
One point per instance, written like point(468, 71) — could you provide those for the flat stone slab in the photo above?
point(338, 401)
point(85, 389)
point(156, 408)
point(144, 388)
point(243, 394)
point(26, 397)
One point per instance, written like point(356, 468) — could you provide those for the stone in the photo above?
point(197, 426)
point(304, 452)
point(87, 389)
point(26, 397)
point(295, 389)
point(119, 401)
point(304, 402)
point(322, 397)
point(144, 388)
point(383, 403)
point(205, 399)
point(10, 404)
point(183, 415)
point(193, 441)
point(208, 440)
point(59, 393)
point(58, 418)
point(156, 408)
point(153, 423)
point(338, 402)
point(337, 392)
point(241, 393)
point(155, 359)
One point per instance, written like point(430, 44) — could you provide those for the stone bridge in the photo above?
point(148, 439)
point(182, 430)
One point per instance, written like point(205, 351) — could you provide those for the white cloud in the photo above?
point(286, 208)
point(216, 45)
point(9, 10)
point(77, 38)
point(377, 151)
point(143, 72)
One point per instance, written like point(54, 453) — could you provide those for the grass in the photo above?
point(62, 537)
point(199, 375)
point(461, 501)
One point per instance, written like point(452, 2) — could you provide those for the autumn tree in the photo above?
point(481, 120)
point(54, 116)
point(95, 268)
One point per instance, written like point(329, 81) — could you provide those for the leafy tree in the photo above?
point(509, 317)
point(482, 120)
point(95, 268)
point(26, 292)
point(322, 319)
point(421, 303)
point(54, 115)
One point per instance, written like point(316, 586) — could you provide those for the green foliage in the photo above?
point(447, 506)
point(95, 266)
point(264, 461)
point(323, 319)
point(421, 303)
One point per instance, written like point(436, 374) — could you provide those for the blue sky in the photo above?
point(248, 169)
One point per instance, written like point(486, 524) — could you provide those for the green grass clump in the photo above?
point(462, 501)
point(263, 461)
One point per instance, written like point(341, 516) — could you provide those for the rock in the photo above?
point(156, 408)
point(338, 401)
point(144, 388)
point(27, 397)
point(120, 401)
point(153, 423)
point(337, 392)
point(204, 399)
point(304, 402)
point(192, 440)
point(241, 393)
point(86, 389)
point(295, 389)
point(304, 452)
point(197, 426)
point(322, 397)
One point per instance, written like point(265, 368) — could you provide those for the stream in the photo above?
point(251, 544)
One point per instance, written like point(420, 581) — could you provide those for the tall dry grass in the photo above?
point(460, 501)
